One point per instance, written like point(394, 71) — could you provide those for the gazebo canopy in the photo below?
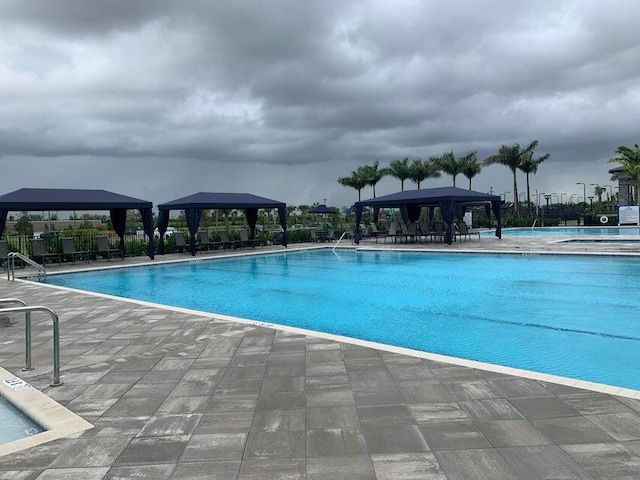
point(452, 202)
point(37, 199)
point(194, 204)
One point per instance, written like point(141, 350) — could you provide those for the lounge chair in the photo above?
point(206, 243)
point(438, 232)
point(425, 230)
point(180, 244)
point(105, 250)
point(69, 250)
point(393, 232)
point(246, 241)
point(39, 250)
point(375, 233)
point(4, 252)
point(463, 231)
point(227, 242)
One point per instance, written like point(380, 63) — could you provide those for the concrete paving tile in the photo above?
point(68, 393)
point(213, 447)
point(326, 368)
point(257, 360)
point(170, 425)
point(425, 392)
point(634, 446)
point(365, 365)
point(141, 472)
point(222, 470)
point(438, 412)
point(298, 357)
point(632, 403)
point(323, 356)
point(453, 373)
point(326, 382)
point(153, 450)
point(284, 348)
point(283, 384)
point(150, 390)
point(407, 466)
point(243, 373)
point(19, 474)
point(492, 409)
point(330, 398)
point(35, 458)
point(104, 391)
point(512, 433)
point(543, 407)
point(253, 340)
point(137, 364)
point(123, 377)
point(285, 370)
point(116, 426)
point(370, 380)
point(515, 387)
point(281, 400)
point(477, 464)
point(355, 467)
point(239, 387)
point(183, 405)
point(621, 426)
point(91, 408)
point(543, 463)
point(385, 415)
point(472, 390)
point(355, 352)
point(74, 474)
point(162, 376)
point(225, 422)
point(274, 420)
point(275, 468)
point(193, 388)
point(411, 374)
point(91, 452)
point(603, 460)
point(83, 378)
point(394, 439)
point(134, 407)
point(594, 403)
point(275, 444)
point(454, 436)
point(332, 417)
point(378, 396)
point(569, 430)
point(232, 403)
point(335, 442)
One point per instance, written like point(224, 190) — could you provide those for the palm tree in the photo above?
point(470, 166)
point(421, 170)
point(372, 174)
point(355, 180)
point(450, 165)
point(512, 157)
point(629, 159)
point(530, 165)
point(399, 169)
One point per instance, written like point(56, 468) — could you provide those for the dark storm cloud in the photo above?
point(314, 86)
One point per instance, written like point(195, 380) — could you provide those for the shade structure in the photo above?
point(194, 204)
point(320, 209)
point(452, 202)
point(37, 199)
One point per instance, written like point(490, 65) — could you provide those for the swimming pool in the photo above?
point(571, 316)
point(568, 231)
point(15, 425)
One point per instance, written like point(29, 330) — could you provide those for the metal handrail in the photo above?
point(11, 268)
point(27, 332)
point(56, 336)
point(341, 237)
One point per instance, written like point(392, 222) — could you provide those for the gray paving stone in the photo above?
point(453, 373)
point(116, 427)
point(283, 384)
point(412, 374)
point(74, 474)
point(335, 442)
point(141, 472)
point(353, 352)
point(332, 417)
point(153, 450)
point(170, 425)
point(134, 407)
point(326, 368)
point(394, 438)
point(326, 382)
point(330, 398)
point(276, 444)
point(215, 446)
point(476, 464)
point(634, 446)
point(368, 380)
point(232, 403)
point(221, 470)
point(275, 468)
point(91, 452)
point(288, 358)
point(385, 415)
point(19, 474)
point(91, 408)
point(472, 390)
point(604, 460)
point(239, 387)
point(454, 436)
point(323, 356)
point(378, 396)
point(122, 377)
point(281, 400)
point(438, 412)
point(512, 433)
point(285, 370)
point(150, 390)
point(543, 463)
point(492, 409)
point(365, 365)
point(225, 422)
point(515, 387)
point(355, 467)
point(163, 376)
point(425, 392)
point(183, 405)
point(407, 466)
point(35, 458)
point(569, 430)
point(543, 407)
point(594, 403)
point(621, 426)
point(274, 420)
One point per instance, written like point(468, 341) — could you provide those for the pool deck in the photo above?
point(182, 395)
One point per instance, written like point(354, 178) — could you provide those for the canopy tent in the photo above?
point(41, 199)
point(452, 202)
point(194, 204)
point(323, 209)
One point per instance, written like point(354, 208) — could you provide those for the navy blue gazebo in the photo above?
point(452, 202)
point(194, 204)
point(38, 199)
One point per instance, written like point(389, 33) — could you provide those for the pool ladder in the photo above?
point(11, 267)
point(27, 309)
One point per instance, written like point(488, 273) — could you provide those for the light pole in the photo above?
point(562, 195)
point(538, 202)
point(584, 190)
point(547, 197)
point(610, 196)
point(504, 197)
point(591, 201)
point(571, 197)
point(556, 197)
point(597, 189)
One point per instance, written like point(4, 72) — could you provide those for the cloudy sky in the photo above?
point(159, 99)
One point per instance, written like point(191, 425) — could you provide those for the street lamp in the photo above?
point(538, 202)
point(597, 185)
point(610, 196)
point(584, 190)
point(556, 197)
point(504, 196)
point(591, 200)
point(571, 197)
point(562, 195)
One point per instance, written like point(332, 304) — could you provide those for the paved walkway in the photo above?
point(180, 396)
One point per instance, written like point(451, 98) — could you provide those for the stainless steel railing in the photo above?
point(11, 267)
point(27, 309)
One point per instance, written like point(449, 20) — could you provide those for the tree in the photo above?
point(629, 160)
point(399, 169)
point(372, 175)
point(24, 226)
point(512, 157)
point(421, 170)
point(470, 166)
point(355, 180)
point(530, 165)
point(598, 191)
point(450, 165)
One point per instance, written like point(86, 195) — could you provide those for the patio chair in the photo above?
point(180, 244)
point(39, 250)
point(463, 231)
point(105, 250)
point(4, 252)
point(69, 250)
point(227, 242)
point(246, 241)
point(393, 232)
point(438, 232)
point(375, 233)
point(425, 230)
point(206, 243)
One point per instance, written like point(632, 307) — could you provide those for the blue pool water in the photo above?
point(572, 316)
point(14, 424)
point(573, 231)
